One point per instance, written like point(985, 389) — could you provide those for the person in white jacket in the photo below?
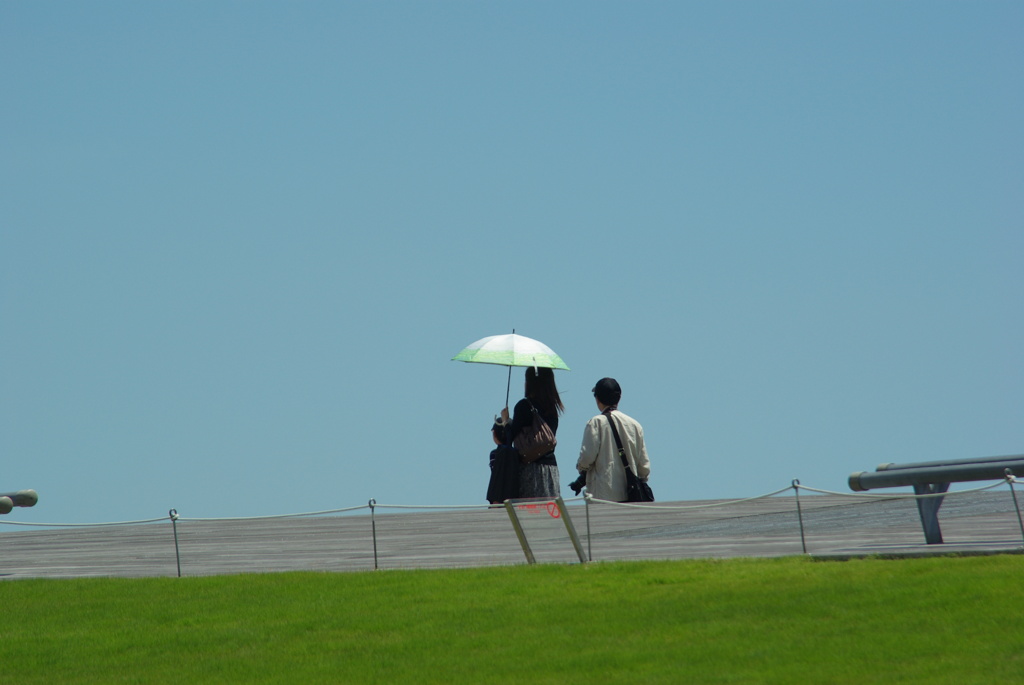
point(599, 455)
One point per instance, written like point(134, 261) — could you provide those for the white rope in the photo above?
point(278, 516)
point(436, 506)
point(669, 507)
point(905, 495)
point(85, 525)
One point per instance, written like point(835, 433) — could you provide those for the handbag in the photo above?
point(536, 440)
point(636, 489)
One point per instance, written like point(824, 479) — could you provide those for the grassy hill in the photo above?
point(931, 620)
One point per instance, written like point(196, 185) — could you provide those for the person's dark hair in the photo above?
point(607, 390)
point(541, 390)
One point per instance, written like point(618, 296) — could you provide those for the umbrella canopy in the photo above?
point(511, 350)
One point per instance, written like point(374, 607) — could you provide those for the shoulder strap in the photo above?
point(618, 442)
point(536, 412)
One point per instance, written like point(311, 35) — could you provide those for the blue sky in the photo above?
point(241, 241)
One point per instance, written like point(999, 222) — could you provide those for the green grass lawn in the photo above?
point(933, 620)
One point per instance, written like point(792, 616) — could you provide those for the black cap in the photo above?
point(607, 390)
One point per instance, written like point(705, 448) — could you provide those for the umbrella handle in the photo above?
point(508, 386)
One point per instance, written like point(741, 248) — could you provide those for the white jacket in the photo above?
point(599, 455)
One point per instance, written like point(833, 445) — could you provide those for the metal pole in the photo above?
point(948, 462)
point(929, 475)
point(1011, 480)
point(586, 500)
point(928, 508)
point(800, 514)
point(520, 533)
point(373, 524)
point(508, 385)
point(570, 528)
point(173, 513)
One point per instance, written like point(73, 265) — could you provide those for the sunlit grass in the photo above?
point(948, 619)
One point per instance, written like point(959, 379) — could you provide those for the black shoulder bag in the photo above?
point(636, 489)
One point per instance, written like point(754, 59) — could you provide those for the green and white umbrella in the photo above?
point(511, 350)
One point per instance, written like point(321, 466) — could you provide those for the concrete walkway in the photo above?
point(833, 526)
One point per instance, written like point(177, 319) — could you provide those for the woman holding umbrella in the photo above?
point(537, 478)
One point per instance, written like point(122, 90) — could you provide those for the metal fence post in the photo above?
point(173, 513)
point(373, 524)
point(1010, 479)
point(570, 528)
point(510, 509)
point(586, 500)
point(800, 514)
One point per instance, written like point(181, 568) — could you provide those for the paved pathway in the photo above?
point(834, 526)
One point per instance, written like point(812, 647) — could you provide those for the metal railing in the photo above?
point(174, 518)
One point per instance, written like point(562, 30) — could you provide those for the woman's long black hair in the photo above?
point(541, 390)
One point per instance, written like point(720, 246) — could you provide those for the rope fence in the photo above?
point(588, 502)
